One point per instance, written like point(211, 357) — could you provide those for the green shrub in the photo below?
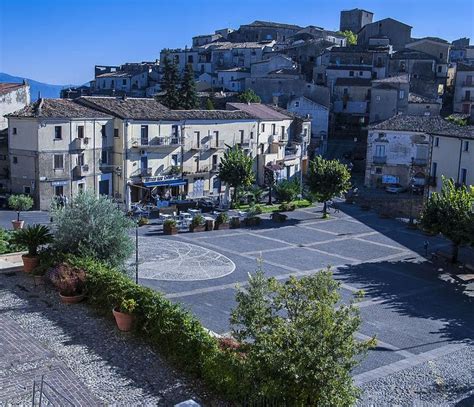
point(32, 237)
point(174, 332)
point(7, 245)
point(93, 226)
point(170, 223)
point(142, 221)
point(223, 217)
point(287, 190)
point(128, 306)
point(258, 209)
point(198, 220)
point(287, 206)
point(20, 203)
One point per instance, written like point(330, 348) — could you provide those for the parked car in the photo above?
point(395, 188)
point(206, 205)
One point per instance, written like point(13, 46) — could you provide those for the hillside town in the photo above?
point(337, 163)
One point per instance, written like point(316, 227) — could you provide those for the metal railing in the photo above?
point(379, 159)
point(165, 141)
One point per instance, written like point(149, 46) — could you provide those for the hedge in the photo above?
point(175, 333)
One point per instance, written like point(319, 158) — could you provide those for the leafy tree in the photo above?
point(236, 170)
point(449, 212)
point(298, 340)
point(327, 179)
point(287, 190)
point(351, 38)
point(189, 99)
point(93, 226)
point(20, 203)
point(209, 104)
point(249, 96)
point(169, 85)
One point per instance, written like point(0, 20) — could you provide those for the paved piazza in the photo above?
point(416, 316)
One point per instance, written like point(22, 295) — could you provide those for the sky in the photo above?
point(60, 41)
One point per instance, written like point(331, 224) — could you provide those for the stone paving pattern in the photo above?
point(416, 316)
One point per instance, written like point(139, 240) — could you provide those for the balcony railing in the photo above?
point(81, 170)
point(157, 142)
point(379, 159)
point(421, 162)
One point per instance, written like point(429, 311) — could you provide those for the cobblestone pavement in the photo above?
point(82, 355)
point(423, 323)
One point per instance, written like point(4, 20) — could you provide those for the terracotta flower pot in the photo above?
point(18, 224)
point(200, 228)
point(71, 299)
point(170, 230)
point(222, 226)
point(124, 321)
point(29, 262)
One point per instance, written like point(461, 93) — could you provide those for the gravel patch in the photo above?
point(116, 367)
point(444, 381)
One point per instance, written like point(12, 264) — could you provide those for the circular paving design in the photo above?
point(171, 260)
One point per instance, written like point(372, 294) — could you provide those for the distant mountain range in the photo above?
point(46, 90)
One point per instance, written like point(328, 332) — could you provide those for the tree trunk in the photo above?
point(325, 208)
point(234, 196)
point(455, 252)
point(270, 196)
point(18, 216)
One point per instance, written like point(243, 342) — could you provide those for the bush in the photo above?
point(287, 206)
point(142, 221)
point(258, 209)
point(128, 306)
point(68, 280)
point(198, 220)
point(20, 203)
point(167, 326)
point(93, 226)
point(223, 217)
point(7, 244)
point(170, 223)
point(287, 190)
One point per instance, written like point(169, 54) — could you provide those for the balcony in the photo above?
point(81, 170)
point(420, 162)
point(80, 143)
point(156, 142)
point(245, 143)
point(379, 159)
point(142, 172)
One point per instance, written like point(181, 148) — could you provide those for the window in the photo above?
point(251, 135)
point(466, 146)
point(124, 82)
point(103, 131)
point(58, 190)
point(378, 170)
point(80, 159)
point(263, 126)
point(297, 104)
point(434, 169)
point(436, 142)
point(273, 128)
point(197, 138)
point(190, 59)
point(14, 130)
point(345, 91)
point(80, 131)
point(463, 176)
point(401, 94)
point(241, 132)
point(351, 73)
point(377, 98)
point(104, 157)
point(440, 68)
point(216, 137)
point(15, 160)
point(144, 135)
point(112, 83)
point(174, 160)
point(380, 150)
point(361, 73)
point(3, 157)
point(81, 187)
point(283, 132)
point(58, 162)
point(116, 133)
point(58, 132)
point(440, 55)
point(174, 131)
point(26, 189)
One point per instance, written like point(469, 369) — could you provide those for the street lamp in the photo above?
point(136, 252)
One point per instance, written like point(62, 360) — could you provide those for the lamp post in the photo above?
point(136, 252)
point(411, 192)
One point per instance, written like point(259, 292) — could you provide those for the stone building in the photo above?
point(389, 97)
point(353, 20)
point(463, 89)
point(263, 31)
point(398, 33)
point(58, 147)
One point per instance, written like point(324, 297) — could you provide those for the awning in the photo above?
point(166, 183)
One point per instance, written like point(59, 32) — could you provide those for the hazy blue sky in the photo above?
point(60, 41)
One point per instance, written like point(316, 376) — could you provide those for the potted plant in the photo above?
point(123, 314)
point(142, 221)
point(19, 203)
point(69, 281)
point(197, 224)
point(222, 221)
point(169, 227)
point(32, 237)
point(278, 217)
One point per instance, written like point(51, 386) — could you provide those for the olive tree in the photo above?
point(298, 339)
point(20, 203)
point(327, 179)
point(93, 226)
point(449, 212)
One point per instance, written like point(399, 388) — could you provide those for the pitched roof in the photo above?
point(414, 98)
point(58, 108)
point(434, 39)
point(260, 111)
point(10, 87)
point(260, 23)
point(425, 124)
point(384, 19)
point(352, 82)
point(407, 53)
point(150, 109)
